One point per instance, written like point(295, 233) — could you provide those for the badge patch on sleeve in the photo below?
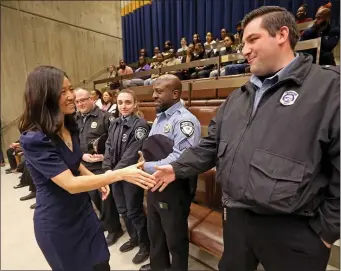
point(184, 145)
point(111, 118)
point(140, 133)
point(187, 128)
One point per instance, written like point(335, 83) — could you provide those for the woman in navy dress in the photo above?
point(66, 227)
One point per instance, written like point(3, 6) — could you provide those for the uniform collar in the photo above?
point(129, 120)
point(296, 72)
point(276, 77)
point(170, 111)
point(94, 112)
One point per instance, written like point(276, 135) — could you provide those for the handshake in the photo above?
point(135, 174)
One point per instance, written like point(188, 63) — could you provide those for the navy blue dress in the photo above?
point(66, 227)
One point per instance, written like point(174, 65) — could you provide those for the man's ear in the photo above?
point(176, 94)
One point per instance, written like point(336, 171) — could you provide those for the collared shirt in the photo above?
point(262, 87)
point(180, 125)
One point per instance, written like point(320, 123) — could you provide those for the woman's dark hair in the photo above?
point(198, 39)
point(144, 62)
point(41, 100)
point(98, 93)
point(145, 52)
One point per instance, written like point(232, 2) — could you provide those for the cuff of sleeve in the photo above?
point(177, 170)
point(149, 167)
point(106, 168)
point(320, 229)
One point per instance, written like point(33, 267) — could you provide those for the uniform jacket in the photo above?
point(96, 124)
point(125, 139)
point(285, 158)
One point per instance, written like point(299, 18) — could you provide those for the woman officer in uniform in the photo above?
point(125, 139)
point(66, 227)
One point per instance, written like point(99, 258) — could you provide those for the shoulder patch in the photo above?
point(111, 118)
point(187, 128)
point(140, 133)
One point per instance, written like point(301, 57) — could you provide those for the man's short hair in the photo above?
point(231, 36)
point(274, 18)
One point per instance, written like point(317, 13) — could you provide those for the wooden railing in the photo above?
point(302, 45)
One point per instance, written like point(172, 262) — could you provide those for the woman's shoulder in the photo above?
point(34, 139)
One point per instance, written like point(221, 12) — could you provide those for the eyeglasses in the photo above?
point(82, 100)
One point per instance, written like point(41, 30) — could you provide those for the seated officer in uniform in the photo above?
point(126, 135)
point(174, 130)
point(93, 124)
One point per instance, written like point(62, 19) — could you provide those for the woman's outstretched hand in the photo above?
point(135, 175)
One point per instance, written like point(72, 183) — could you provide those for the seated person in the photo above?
point(199, 53)
point(112, 73)
point(196, 39)
point(209, 42)
point(156, 52)
point(171, 59)
point(301, 15)
point(329, 34)
point(168, 46)
point(186, 74)
point(124, 70)
point(143, 52)
point(142, 66)
point(155, 65)
point(227, 49)
point(223, 33)
point(181, 53)
point(238, 35)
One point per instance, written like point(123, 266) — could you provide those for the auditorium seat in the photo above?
point(208, 234)
point(197, 215)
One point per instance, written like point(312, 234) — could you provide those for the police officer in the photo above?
point(93, 125)
point(276, 146)
point(167, 212)
point(126, 135)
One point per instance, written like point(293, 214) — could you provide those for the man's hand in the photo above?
point(105, 190)
point(164, 175)
point(97, 157)
point(326, 244)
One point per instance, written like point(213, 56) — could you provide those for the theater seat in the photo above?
point(208, 234)
point(198, 214)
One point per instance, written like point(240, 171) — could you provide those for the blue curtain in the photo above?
point(153, 24)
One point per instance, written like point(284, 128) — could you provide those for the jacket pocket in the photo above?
point(274, 180)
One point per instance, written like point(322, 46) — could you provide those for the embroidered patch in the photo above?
point(167, 128)
point(111, 118)
point(187, 128)
point(124, 137)
point(94, 125)
point(289, 97)
point(140, 133)
point(184, 145)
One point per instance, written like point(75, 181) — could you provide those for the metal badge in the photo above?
point(94, 125)
point(289, 97)
point(124, 137)
point(167, 128)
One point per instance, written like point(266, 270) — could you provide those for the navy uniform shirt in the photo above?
point(180, 125)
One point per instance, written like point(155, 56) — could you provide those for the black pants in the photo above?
point(167, 214)
point(278, 242)
point(26, 179)
point(102, 267)
point(129, 201)
point(108, 212)
point(11, 158)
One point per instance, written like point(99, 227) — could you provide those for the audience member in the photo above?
point(143, 52)
point(181, 53)
point(167, 47)
point(239, 29)
point(209, 42)
point(223, 33)
point(124, 69)
point(155, 65)
point(196, 39)
point(199, 53)
point(96, 96)
point(186, 74)
point(113, 73)
point(227, 49)
point(329, 34)
point(156, 52)
point(301, 15)
point(142, 66)
point(109, 102)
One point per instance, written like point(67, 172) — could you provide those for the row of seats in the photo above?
point(202, 98)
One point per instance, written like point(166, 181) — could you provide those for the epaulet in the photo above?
point(331, 68)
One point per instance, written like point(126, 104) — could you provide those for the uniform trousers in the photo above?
point(167, 214)
point(278, 242)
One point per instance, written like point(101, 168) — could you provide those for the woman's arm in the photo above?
point(86, 183)
point(84, 171)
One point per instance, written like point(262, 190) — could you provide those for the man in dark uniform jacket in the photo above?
point(93, 125)
point(275, 143)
